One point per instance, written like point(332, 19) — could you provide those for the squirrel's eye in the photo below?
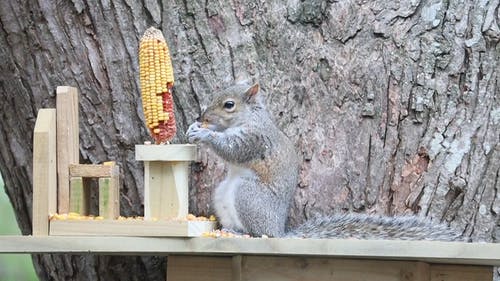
point(229, 105)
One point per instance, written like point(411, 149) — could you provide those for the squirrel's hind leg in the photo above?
point(261, 213)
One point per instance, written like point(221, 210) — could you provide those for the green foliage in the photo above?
point(12, 267)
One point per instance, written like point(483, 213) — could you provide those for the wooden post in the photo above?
point(166, 175)
point(67, 141)
point(79, 196)
point(44, 171)
point(109, 195)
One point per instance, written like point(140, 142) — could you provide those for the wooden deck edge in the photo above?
point(426, 251)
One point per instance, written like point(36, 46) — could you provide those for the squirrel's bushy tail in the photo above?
point(362, 226)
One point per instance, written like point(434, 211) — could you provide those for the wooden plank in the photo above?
point(169, 195)
point(130, 228)
point(79, 196)
point(169, 152)
point(188, 268)
point(301, 268)
point(67, 140)
point(44, 171)
point(152, 190)
point(109, 201)
point(286, 268)
point(425, 251)
point(463, 273)
point(92, 170)
point(177, 194)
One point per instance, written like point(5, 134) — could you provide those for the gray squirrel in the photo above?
point(263, 172)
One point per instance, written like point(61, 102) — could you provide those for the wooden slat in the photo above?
point(426, 251)
point(152, 190)
point(261, 268)
point(169, 152)
point(44, 171)
point(92, 170)
point(462, 273)
point(130, 228)
point(79, 196)
point(67, 140)
point(178, 193)
point(109, 201)
point(188, 268)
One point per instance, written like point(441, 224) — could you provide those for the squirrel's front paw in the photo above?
point(196, 133)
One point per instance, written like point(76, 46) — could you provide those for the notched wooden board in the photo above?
point(93, 170)
point(130, 228)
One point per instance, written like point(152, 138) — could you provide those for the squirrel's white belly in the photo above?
point(224, 198)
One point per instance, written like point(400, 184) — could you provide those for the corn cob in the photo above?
point(157, 80)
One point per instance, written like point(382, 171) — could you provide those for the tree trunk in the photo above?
point(394, 106)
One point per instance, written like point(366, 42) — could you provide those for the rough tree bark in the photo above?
point(394, 106)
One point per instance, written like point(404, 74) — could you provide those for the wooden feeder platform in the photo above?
point(59, 183)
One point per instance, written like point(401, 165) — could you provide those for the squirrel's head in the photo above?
point(231, 107)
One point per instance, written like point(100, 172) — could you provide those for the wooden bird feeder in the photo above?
point(60, 183)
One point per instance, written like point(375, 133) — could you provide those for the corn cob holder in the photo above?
point(165, 166)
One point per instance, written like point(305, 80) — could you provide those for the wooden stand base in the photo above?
point(131, 228)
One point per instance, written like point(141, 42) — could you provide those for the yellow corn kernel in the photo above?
point(60, 216)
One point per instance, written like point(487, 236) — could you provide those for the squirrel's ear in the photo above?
point(251, 93)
